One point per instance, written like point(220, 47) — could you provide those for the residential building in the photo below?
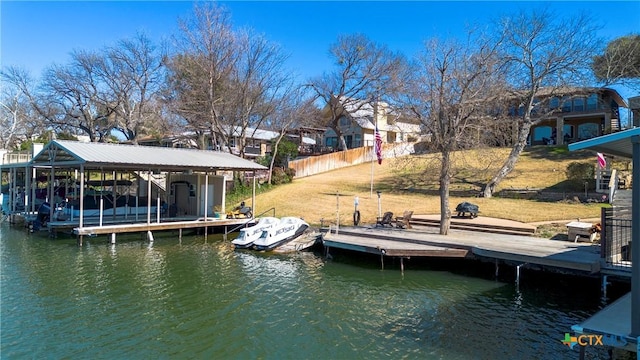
point(257, 141)
point(573, 114)
point(359, 120)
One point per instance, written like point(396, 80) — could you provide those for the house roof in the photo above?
point(62, 153)
point(618, 144)
point(362, 113)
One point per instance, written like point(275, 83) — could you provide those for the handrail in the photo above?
point(248, 221)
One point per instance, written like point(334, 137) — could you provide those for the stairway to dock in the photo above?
point(480, 223)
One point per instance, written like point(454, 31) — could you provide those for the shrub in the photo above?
point(282, 176)
point(580, 172)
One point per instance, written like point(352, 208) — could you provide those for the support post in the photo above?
point(101, 209)
point(635, 241)
point(497, 267)
point(113, 238)
point(518, 274)
point(149, 197)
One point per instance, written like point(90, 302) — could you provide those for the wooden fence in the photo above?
point(313, 165)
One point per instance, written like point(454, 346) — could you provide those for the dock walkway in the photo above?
point(426, 241)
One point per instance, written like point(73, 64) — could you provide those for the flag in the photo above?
point(378, 146)
point(602, 161)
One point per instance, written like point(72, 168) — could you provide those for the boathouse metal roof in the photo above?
point(61, 153)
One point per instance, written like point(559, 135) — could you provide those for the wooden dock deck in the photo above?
point(425, 241)
point(302, 242)
point(155, 226)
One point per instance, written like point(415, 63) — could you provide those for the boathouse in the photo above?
point(618, 325)
point(94, 186)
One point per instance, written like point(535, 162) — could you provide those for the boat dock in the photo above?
point(302, 242)
point(94, 227)
point(497, 246)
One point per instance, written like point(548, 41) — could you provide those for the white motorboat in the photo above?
point(286, 230)
point(248, 235)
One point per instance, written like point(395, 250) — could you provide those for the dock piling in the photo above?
point(518, 274)
point(113, 238)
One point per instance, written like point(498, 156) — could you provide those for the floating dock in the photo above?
point(425, 241)
point(302, 242)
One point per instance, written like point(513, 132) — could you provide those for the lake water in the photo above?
point(202, 299)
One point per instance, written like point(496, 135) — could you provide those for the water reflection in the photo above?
point(201, 298)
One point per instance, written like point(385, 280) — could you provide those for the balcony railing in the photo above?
point(16, 157)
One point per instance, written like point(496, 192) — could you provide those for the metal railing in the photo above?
point(615, 238)
point(249, 221)
point(16, 157)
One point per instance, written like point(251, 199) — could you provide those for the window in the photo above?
point(592, 102)
point(344, 121)
point(578, 104)
point(331, 141)
point(566, 104)
point(535, 107)
point(554, 103)
point(357, 140)
point(542, 133)
point(391, 137)
point(567, 131)
point(348, 139)
point(587, 131)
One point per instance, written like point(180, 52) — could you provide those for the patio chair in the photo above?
point(404, 222)
point(386, 219)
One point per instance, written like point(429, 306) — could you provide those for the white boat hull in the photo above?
point(247, 236)
point(285, 231)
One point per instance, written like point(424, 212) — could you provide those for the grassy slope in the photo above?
point(410, 183)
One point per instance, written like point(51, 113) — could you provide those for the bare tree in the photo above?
point(75, 98)
point(133, 72)
point(200, 70)
point(540, 51)
point(17, 120)
point(292, 109)
point(225, 83)
point(364, 72)
point(447, 93)
point(258, 86)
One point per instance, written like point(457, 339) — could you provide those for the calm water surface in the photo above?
point(202, 299)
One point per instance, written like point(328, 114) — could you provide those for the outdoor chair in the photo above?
point(404, 222)
point(386, 219)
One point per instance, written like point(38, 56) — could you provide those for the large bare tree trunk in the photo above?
point(510, 163)
point(445, 179)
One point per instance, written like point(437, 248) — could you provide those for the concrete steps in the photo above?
point(488, 225)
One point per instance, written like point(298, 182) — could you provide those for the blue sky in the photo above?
point(36, 34)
